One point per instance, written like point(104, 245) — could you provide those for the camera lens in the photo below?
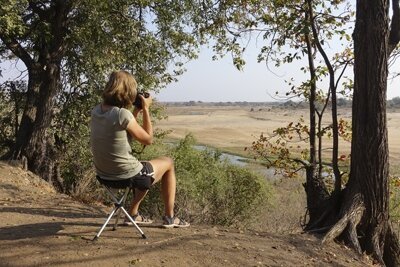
point(138, 100)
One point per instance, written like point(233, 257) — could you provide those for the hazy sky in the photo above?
point(219, 81)
point(207, 80)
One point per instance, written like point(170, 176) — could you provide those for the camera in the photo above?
point(138, 101)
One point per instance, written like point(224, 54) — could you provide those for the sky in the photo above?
point(219, 81)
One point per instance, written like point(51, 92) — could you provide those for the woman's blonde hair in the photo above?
point(120, 90)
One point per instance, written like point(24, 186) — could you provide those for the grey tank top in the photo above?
point(112, 153)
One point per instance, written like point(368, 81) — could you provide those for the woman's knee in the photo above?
point(168, 161)
point(162, 164)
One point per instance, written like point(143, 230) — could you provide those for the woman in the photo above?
point(112, 127)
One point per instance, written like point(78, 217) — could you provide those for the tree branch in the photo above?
point(333, 97)
point(43, 14)
point(17, 49)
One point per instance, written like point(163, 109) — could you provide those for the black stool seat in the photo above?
point(121, 184)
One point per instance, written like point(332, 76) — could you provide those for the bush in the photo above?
point(12, 95)
point(210, 190)
point(394, 202)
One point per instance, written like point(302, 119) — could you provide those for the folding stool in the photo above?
point(118, 202)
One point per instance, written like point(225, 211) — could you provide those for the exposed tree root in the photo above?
point(351, 216)
point(377, 241)
point(391, 254)
point(384, 249)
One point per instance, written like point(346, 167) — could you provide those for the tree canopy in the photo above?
point(92, 37)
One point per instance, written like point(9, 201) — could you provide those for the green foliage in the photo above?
point(72, 134)
point(10, 20)
point(282, 25)
point(394, 200)
point(152, 39)
point(12, 96)
point(210, 190)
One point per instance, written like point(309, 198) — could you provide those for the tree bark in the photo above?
point(369, 148)
point(368, 187)
point(36, 148)
point(32, 137)
point(29, 114)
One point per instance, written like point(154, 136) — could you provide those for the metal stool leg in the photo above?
point(105, 224)
point(118, 215)
point(133, 222)
point(118, 208)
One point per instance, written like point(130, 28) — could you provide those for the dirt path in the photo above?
point(39, 227)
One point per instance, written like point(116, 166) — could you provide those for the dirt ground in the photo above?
point(39, 227)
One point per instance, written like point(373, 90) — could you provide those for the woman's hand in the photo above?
point(144, 133)
point(146, 101)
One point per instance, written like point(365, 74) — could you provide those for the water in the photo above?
point(269, 173)
point(236, 160)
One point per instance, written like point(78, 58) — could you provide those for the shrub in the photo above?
point(211, 190)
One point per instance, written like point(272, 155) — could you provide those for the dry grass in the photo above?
point(232, 128)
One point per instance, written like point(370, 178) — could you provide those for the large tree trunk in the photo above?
point(369, 148)
point(24, 131)
point(364, 217)
point(33, 140)
point(36, 149)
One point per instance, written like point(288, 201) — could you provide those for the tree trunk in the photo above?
point(365, 212)
point(36, 148)
point(369, 148)
point(33, 138)
point(28, 117)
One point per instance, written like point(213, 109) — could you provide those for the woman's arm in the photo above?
point(143, 134)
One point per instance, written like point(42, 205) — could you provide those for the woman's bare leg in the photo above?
point(164, 171)
point(139, 196)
